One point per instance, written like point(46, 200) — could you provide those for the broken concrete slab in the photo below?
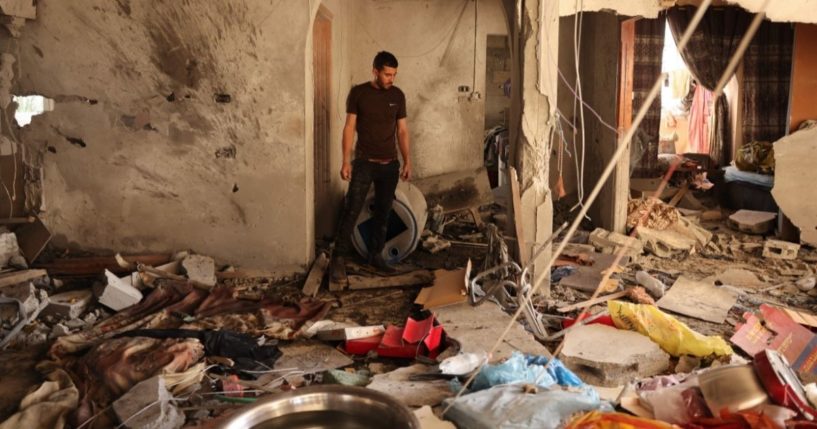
point(201, 269)
point(753, 222)
point(794, 179)
point(412, 393)
point(610, 357)
point(700, 300)
point(610, 242)
point(477, 328)
point(117, 294)
point(68, 305)
point(779, 249)
point(148, 406)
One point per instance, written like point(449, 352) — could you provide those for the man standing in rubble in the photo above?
point(376, 110)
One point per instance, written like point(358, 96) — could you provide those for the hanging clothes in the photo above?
point(699, 121)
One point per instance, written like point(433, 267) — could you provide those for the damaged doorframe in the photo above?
point(532, 26)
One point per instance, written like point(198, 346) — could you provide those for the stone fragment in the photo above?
point(753, 222)
point(69, 305)
point(118, 295)
point(606, 356)
point(412, 393)
point(610, 242)
point(147, 406)
point(778, 249)
point(27, 294)
point(200, 268)
point(59, 330)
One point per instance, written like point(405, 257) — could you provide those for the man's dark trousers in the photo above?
point(364, 173)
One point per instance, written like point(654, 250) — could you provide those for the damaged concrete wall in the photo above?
point(434, 41)
point(178, 124)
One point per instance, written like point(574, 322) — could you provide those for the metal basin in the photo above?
point(330, 406)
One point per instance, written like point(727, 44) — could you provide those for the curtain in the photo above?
point(766, 82)
point(648, 52)
point(706, 55)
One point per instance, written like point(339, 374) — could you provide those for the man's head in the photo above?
point(384, 69)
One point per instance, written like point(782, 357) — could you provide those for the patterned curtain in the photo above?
point(648, 52)
point(706, 55)
point(766, 82)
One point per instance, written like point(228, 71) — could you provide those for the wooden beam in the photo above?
point(414, 278)
point(316, 274)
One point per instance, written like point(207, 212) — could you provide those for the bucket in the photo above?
point(406, 222)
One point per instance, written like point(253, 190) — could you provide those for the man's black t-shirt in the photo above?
point(377, 113)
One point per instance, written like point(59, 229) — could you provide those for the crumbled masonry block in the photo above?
point(118, 295)
point(200, 268)
point(610, 242)
point(753, 222)
point(778, 249)
point(26, 293)
point(605, 356)
point(69, 305)
point(147, 406)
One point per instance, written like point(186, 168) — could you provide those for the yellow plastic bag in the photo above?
point(673, 336)
point(598, 420)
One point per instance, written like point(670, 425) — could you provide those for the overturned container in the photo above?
point(406, 222)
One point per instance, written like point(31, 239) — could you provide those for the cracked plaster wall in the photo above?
point(183, 125)
point(139, 155)
point(433, 41)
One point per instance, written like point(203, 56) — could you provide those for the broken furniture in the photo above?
point(403, 228)
point(325, 406)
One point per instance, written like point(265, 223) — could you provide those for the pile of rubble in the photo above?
point(690, 320)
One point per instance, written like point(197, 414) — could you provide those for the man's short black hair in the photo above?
point(384, 59)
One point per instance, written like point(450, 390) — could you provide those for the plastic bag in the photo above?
point(598, 420)
point(670, 334)
point(521, 368)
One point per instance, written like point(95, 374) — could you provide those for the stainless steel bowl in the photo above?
point(325, 406)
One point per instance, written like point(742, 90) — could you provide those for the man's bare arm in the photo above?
point(347, 144)
point(403, 143)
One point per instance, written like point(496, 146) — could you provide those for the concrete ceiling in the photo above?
point(783, 11)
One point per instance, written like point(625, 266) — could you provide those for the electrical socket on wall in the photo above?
point(463, 88)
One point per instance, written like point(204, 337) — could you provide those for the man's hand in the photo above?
point(405, 174)
point(346, 171)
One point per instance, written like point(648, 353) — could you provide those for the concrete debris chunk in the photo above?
point(610, 242)
point(778, 249)
point(794, 179)
point(10, 254)
point(610, 357)
point(27, 294)
point(147, 406)
point(655, 287)
point(59, 330)
point(69, 305)
point(753, 222)
point(117, 294)
point(201, 269)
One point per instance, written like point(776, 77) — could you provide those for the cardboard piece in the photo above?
point(700, 300)
point(413, 278)
point(449, 288)
point(774, 329)
point(802, 317)
point(32, 237)
point(587, 278)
